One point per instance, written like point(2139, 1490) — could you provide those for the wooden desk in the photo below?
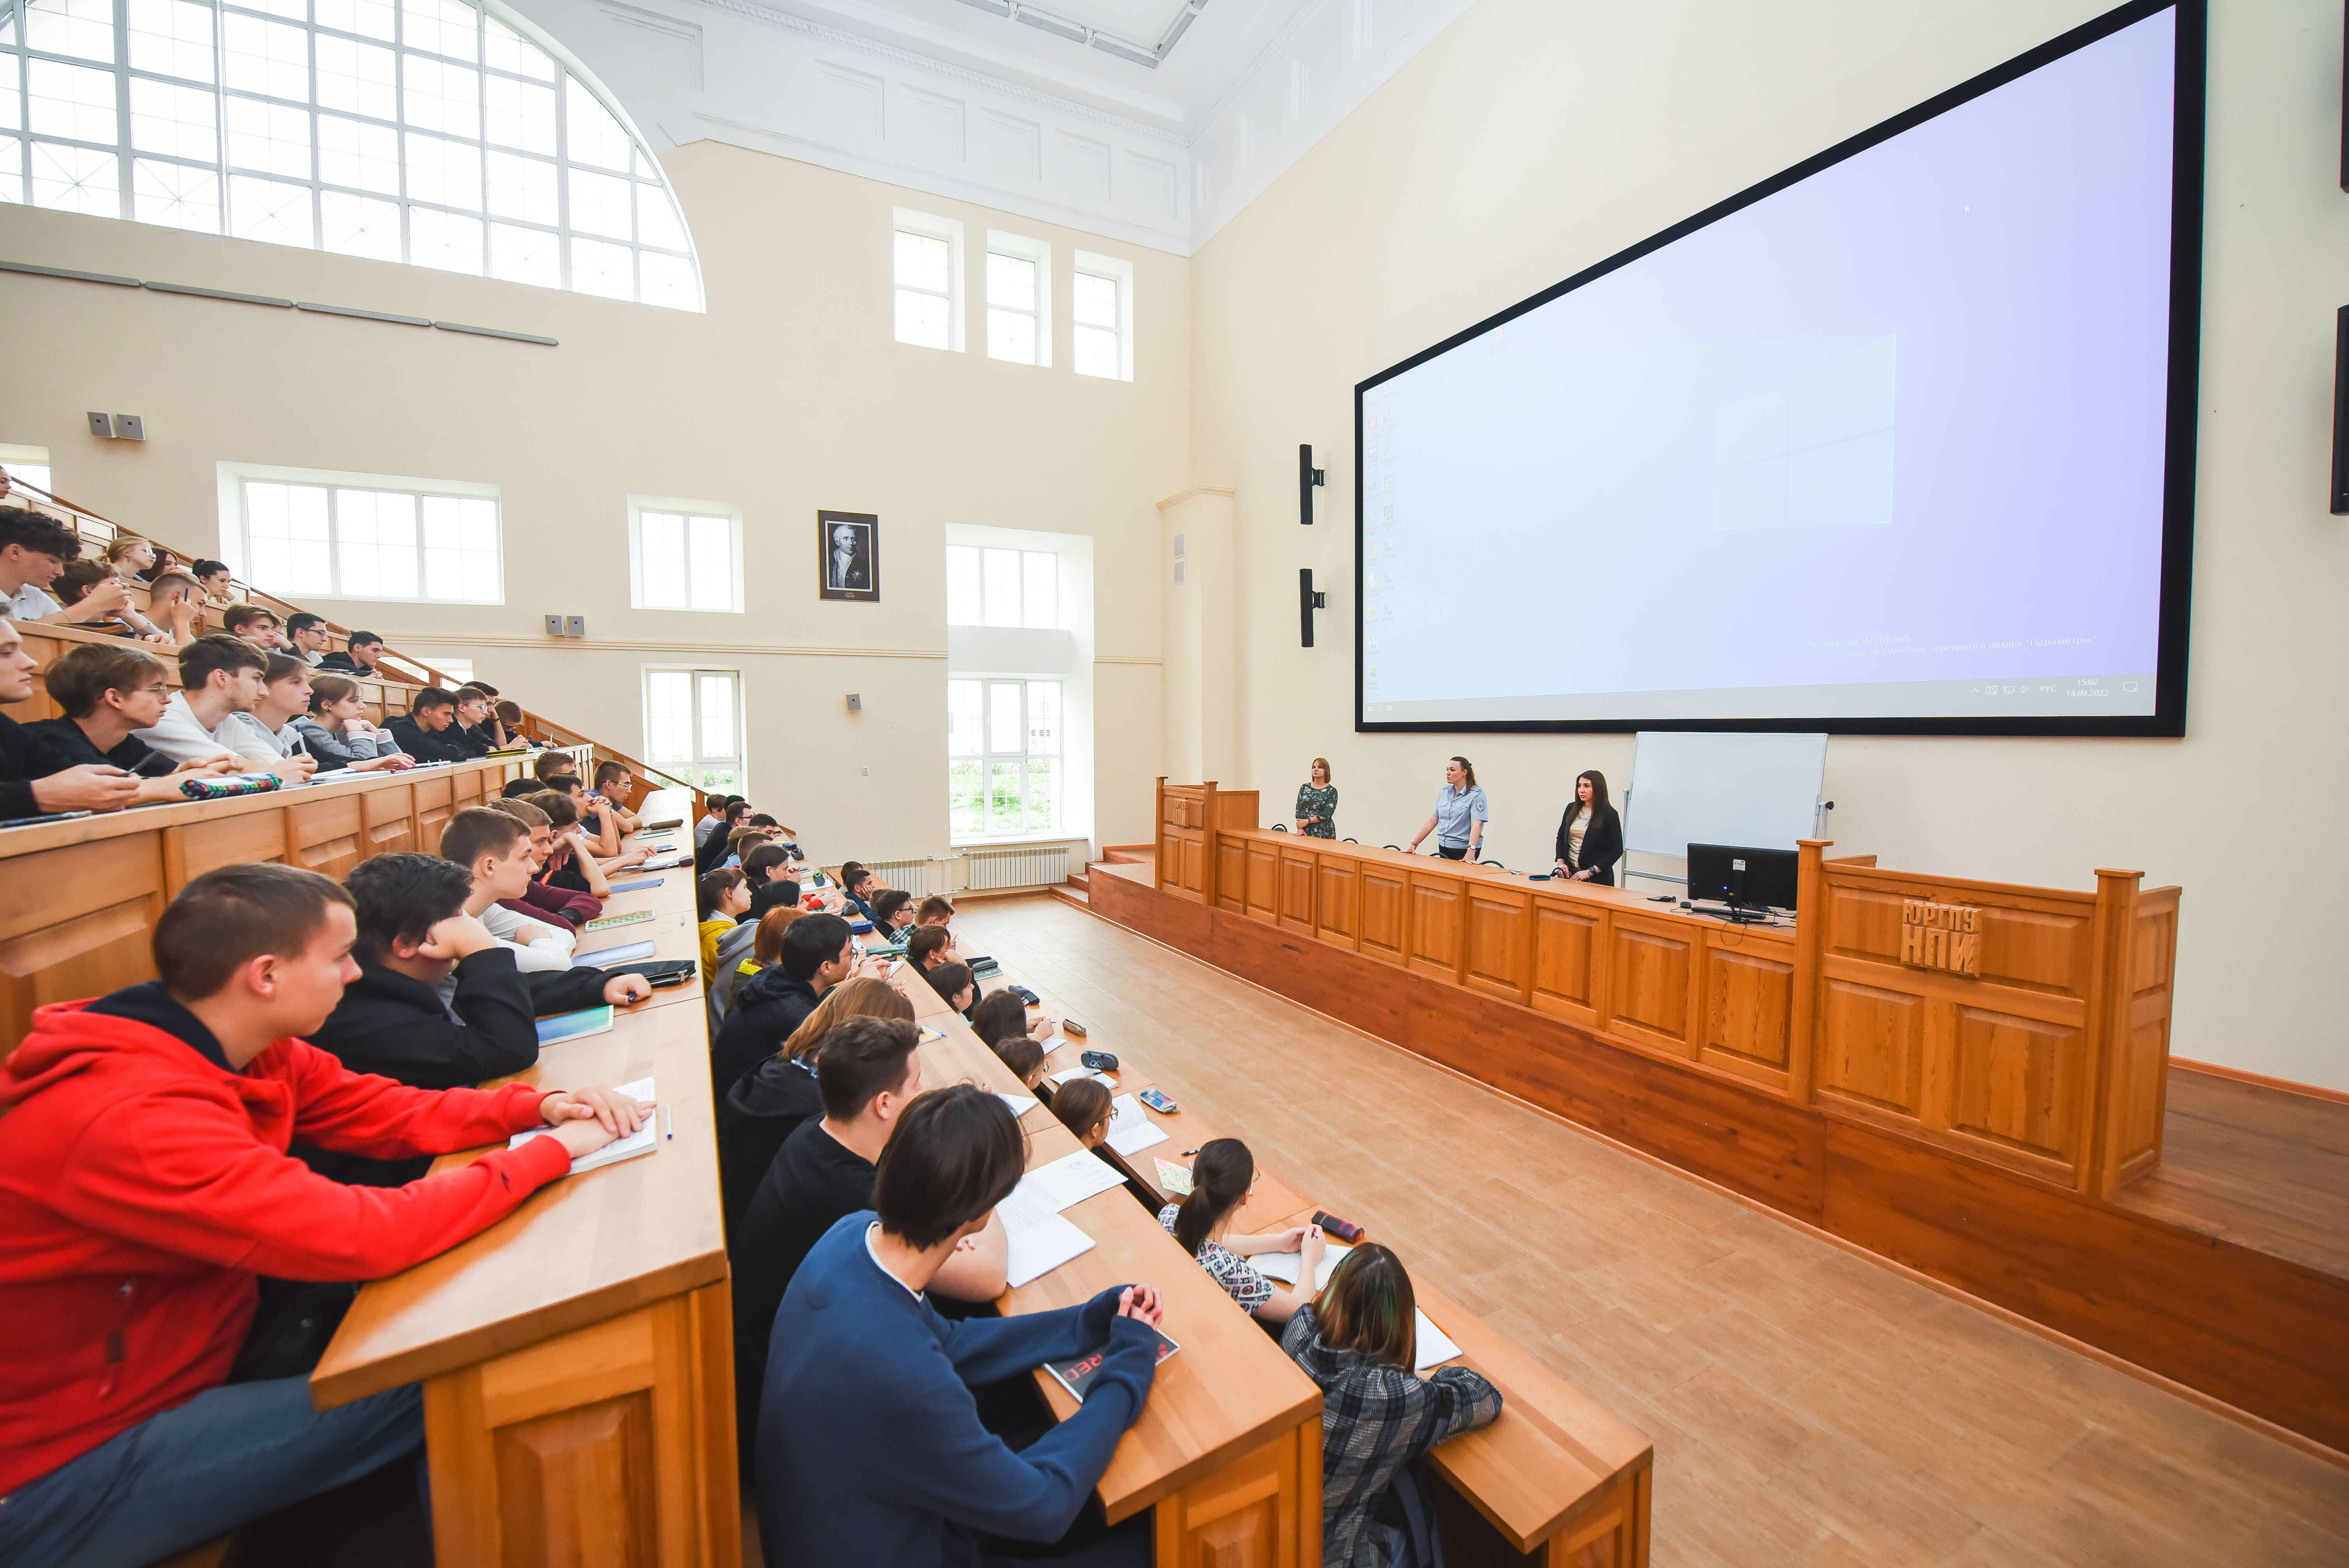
point(1556, 1478)
point(578, 1357)
point(1227, 1450)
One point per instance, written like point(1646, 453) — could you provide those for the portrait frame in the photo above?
point(857, 577)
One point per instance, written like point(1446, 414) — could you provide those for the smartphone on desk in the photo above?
point(1156, 1101)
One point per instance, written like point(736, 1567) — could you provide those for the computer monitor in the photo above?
point(1742, 877)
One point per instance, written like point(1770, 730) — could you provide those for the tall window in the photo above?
point(1019, 299)
point(366, 541)
point(926, 268)
point(420, 130)
point(30, 464)
point(987, 587)
point(685, 558)
point(1003, 758)
point(1103, 303)
point(693, 725)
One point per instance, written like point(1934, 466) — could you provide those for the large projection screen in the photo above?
point(1900, 442)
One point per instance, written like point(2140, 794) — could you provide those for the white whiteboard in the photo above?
point(1695, 788)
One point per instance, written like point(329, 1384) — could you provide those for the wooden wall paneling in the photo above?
point(1384, 913)
point(1262, 899)
point(1564, 937)
point(590, 1446)
point(390, 819)
point(327, 835)
point(435, 804)
point(1293, 897)
point(1263, 1510)
point(2110, 1019)
point(1811, 924)
point(1746, 995)
point(1498, 956)
point(2141, 1081)
point(1435, 911)
point(1230, 857)
point(2017, 1080)
point(1337, 900)
point(77, 924)
point(1871, 1046)
point(1652, 973)
point(191, 849)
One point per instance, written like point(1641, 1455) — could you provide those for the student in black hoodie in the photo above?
point(817, 954)
point(439, 1003)
point(423, 730)
point(775, 1099)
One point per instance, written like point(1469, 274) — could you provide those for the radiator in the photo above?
point(1023, 867)
point(913, 876)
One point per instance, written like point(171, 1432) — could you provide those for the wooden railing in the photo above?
point(98, 530)
point(2026, 1026)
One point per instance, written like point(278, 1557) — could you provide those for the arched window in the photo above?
point(407, 130)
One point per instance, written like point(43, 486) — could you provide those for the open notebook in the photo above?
point(641, 1141)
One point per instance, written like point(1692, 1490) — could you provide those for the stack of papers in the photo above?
point(1131, 1131)
point(603, 957)
point(1070, 1075)
point(1436, 1347)
point(640, 1141)
point(1020, 1104)
point(1040, 1240)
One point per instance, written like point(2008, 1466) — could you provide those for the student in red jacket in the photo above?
point(145, 1185)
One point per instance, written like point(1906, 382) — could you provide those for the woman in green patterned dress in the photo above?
point(1316, 804)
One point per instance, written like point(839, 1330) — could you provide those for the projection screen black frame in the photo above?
point(2169, 717)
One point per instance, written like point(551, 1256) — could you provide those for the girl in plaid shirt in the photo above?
point(1359, 1340)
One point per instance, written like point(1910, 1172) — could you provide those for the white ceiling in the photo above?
point(951, 96)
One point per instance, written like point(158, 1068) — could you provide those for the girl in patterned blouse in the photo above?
point(1316, 803)
point(1220, 1180)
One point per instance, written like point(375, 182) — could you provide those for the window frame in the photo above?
point(175, 167)
point(988, 757)
point(1059, 620)
point(640, 504)
point(691, 769)
point(929, 226)
point(236, 537)
point(1022, 248)
point(1120, 272)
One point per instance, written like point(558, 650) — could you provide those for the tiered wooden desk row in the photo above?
point(2039, 1043)
point(1557, 1478)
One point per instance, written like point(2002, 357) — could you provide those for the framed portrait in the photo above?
point(848, 556)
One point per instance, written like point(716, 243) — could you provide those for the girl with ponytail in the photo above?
point(1220, 1179)
point(1359, 1340)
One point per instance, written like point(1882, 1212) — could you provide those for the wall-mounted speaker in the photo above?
point(2341, 412)
point(1308, 476)
point(1307, 601)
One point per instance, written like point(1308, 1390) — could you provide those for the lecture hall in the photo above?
point(1200, 783)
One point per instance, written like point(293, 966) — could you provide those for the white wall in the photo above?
point(1535, 136)
point(790, 396)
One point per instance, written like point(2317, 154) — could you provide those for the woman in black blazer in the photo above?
point(1591, 836)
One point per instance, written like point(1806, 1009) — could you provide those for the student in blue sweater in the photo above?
point(871, 1453)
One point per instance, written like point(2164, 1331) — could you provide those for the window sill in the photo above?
point(1016, 842)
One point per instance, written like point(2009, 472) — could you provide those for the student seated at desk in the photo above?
point(1221, 1177)
point(937, 909)
point(254, 624)
point(108, 693)
point(422, 731)
point(569, 905)
point(955, 987)
point(221, 682)
point(572, 863)
point(1084, 1109)
point(817, 954)
point(871, 1452)
point(857, 886)
point(614, 784)
point(867, 1071)
point(770, 1102)
point(927, 947)
point(1000, 1016)
point(475, 732)
point(751, 946)
point(1024, 1056)
point(893, 919)
point(719, 844)
point(29, 785)
point(336, 732)
point(360, 659)
point(1358, 1340)
point(724, 899)
point(145, 1186)
point(712, 818)
point(494, 849)
point(766, 872)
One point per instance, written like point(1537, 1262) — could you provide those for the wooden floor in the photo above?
point(2260, 1167)
point(1808, 1406)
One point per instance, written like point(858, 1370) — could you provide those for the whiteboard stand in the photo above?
point(1818, 831)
